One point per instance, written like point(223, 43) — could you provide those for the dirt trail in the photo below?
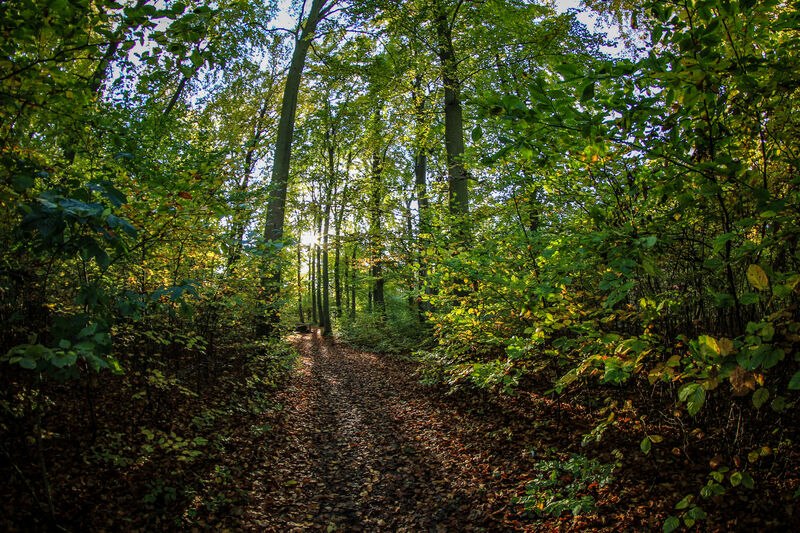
point(360, 445)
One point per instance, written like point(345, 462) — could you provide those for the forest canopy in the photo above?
point(607, 216)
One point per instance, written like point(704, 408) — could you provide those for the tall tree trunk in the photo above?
point(346, 284)
point(353, 282)
point(377, 295)
point(337, 221)
point(453, 118)
point(421, 192)
point(330, 192)
point(319, 287)
point(300, 282)
point(276, 205)
point(326, 304)
point(312, 283)
point(337, 272)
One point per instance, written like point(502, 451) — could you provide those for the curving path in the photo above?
point(359, 445)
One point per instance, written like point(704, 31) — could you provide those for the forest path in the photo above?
point(359, 444)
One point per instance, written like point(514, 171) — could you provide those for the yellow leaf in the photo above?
point(757, 277)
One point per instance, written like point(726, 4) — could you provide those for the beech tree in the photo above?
point(279, 180)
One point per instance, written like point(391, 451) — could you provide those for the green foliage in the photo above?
point(632, 222)
point(397, 333)
point(565, 485)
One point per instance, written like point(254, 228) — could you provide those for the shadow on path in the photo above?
point(360, 445)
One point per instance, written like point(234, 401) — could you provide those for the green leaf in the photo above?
point(709, 347)
point(794, 383)
point(757, 277)
point(588, 92)
point(62, 360)
point(28, 363)
point(736, 479)
point(685, 502)
point(749, 298)
point(671, 524)
point(773, 357)
point(645, 445)
point(197, 59)
point(694, 395)
point(477, 133)
point(760, 397)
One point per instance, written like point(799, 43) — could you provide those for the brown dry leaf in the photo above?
point(742, 381)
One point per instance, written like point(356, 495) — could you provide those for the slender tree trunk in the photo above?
point(320, 312)
point(330, 192)
point(353, 282)
point(346, 285)
point(377, 295)
point(300, 282)
point(98, 76)
point(337, 273)
point(313, 283)
point(453, 118)
point(326, 304)
point(421, 192)
point(276, 205)
point(241, 215)
point(338, 218)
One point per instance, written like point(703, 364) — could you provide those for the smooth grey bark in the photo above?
point(279, 182)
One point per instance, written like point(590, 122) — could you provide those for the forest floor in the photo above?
point(352, 441)
point(359, 444)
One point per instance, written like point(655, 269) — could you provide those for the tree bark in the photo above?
point(300, 282)
point(319, 287)
point(276, 205)
point(353, 282)
point(312, 283)
point(453, 116)
point(423, 202)
point(377, 295)
point(326, 304)
point(337, 221)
